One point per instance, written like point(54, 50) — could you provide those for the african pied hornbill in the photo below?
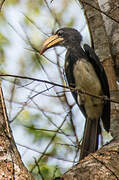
point(85, 72)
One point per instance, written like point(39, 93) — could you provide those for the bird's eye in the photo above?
point(60, 33)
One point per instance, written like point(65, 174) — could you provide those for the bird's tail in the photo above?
point(90, 137)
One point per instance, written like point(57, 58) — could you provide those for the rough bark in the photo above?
point(102, 44)
point(11, 166)
point(104, 164)
point(111, 8)
point(100, 39)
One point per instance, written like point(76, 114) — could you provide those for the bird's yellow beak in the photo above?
point(50, 42)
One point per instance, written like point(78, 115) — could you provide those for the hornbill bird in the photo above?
point(84, 72)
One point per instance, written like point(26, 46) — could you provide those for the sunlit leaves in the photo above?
point(3, 40)
point(45, 171)
point(13, 2)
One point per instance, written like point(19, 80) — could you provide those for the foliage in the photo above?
point(42, 112)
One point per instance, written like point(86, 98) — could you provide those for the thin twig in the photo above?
point(44, 154)
point(39, 171)
point(62, 86)
point(46, 130)
point(52, 13)
point(49, 119)
point(48, 145)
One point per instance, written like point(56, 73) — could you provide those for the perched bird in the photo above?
point(84, 72)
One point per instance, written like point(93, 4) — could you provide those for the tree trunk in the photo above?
point(104, 164)
point(11, 166)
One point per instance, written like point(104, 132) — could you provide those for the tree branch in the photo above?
point(1, 4)
point(89, 4)
point(62, 86)
point(99, 165)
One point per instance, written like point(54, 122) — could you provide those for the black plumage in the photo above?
point(84, 71)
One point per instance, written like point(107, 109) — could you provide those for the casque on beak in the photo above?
point(50, 42)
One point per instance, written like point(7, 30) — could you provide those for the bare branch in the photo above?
point(1, 4)
point(62, 86)
point(48, 145)
point(52, 13)
point(44, 154)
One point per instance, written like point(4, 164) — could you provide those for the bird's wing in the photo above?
point(94, 60)
point(75, 64)
point(69, 65)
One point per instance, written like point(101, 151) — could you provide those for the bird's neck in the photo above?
point(77, 50)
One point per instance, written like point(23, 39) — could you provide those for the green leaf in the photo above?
point(3, 40)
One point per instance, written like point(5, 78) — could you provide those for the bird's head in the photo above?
point(67, 37)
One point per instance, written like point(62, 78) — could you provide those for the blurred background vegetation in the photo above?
point(46, 123)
